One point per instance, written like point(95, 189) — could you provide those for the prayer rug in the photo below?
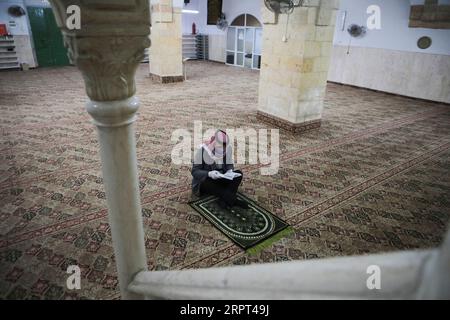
point(246, 227)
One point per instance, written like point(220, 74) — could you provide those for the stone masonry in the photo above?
point(295, 64)
point(165, 53)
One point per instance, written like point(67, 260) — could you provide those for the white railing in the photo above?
point(403, 275)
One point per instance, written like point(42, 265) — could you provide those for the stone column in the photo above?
point(107, 49)
point(166, 53)
point(295, 61)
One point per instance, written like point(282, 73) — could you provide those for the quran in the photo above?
point(230, 175)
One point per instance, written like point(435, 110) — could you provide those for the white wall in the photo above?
point(231, 8)
point(389, 59)
point(394, 34)
point(37, 3)
point(21, 27)
point(234, 8)
point(217, 37)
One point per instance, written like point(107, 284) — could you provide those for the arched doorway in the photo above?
point(244, 41)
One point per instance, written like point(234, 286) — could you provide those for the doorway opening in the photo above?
point(47, 37)
point(244, 42)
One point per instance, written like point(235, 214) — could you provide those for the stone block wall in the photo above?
point(294, 72)
point(165, 53)
point(413, 74)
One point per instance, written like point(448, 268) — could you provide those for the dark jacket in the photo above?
point(203, 164)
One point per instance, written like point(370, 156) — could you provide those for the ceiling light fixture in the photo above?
point(190, 11)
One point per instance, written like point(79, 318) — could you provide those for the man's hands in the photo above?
point(214, 174)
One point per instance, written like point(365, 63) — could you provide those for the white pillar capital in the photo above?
point(109, 45)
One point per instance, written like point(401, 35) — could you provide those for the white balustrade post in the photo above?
point(107, 49)
point(435, 283)
point(114, 121)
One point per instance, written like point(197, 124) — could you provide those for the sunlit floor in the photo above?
point(375, 177)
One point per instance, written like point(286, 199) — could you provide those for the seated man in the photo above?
point(209, 163)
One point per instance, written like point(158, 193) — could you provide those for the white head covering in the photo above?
point(217, 152)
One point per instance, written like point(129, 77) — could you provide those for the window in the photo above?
point(214, 11)
point(246, 20)
point(251, 21)
point(239, 21)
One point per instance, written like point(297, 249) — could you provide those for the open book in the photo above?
point(230, 175)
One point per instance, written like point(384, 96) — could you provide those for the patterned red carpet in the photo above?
point(375, 177)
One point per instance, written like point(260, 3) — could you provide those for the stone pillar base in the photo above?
point(166, 79)
point(289, 126)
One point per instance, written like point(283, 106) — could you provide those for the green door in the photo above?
point(48, 42)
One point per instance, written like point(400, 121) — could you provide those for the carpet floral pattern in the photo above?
point(374, 178)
